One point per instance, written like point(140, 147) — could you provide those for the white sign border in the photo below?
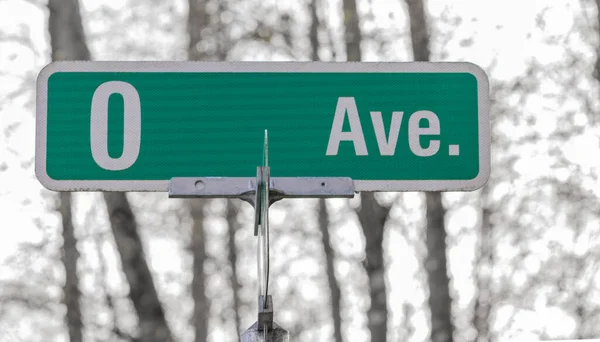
point(293, 67)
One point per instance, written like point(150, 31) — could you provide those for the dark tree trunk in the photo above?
point(352, 33)
point(485, 260)
point(233, 225)
point(419, 34)
point(198, 20)
point(314, 31)
point(67, 40)
point(152, 323)
point(223, 42)
point(68, 43)
point(334, 288)
point(372, 217)
point(201, 305)
point(580, 310)
point(440, 301)
point(597, 67)
point(72, 294)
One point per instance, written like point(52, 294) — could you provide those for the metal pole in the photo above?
point(261, 192)
point(264, 329)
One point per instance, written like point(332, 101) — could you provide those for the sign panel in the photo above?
point(132, 126)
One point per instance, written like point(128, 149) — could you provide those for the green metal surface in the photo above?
point(212, 124)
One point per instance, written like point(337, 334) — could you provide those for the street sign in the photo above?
point(132, 126)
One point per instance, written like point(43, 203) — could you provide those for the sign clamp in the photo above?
point(261, 192)
point(244, 188)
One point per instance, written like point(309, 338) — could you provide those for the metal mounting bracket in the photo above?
point(244, 188)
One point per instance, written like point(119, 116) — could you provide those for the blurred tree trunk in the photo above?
point(152, 323)
point(231, 216)
point(597, 66)
point(372, 217)
point(67, 38)
point(223, 41)
point(198, 249)
point(314, 30)
point(440, 301)
point(70, 255)
point(483, 269)
point(223, 47)
point(371, 214)
point(334, 287)
point(198, 19)
point(581, 310)
point(352, 33)
point(419, 34)
point(67, 41)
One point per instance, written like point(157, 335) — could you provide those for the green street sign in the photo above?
point(132, 126)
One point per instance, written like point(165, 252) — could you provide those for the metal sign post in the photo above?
point(261, 192)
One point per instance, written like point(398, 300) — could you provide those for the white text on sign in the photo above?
point(387, 145)
point(99, 125)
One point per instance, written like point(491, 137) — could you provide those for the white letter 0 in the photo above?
point(99, 125)
point(414, 132)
